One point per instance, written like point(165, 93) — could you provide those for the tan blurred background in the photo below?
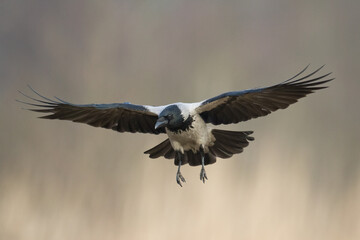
point(60, 180)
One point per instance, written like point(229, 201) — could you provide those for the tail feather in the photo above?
point(163, 149)
point(194, 159)
point(170, 154)
point(227, 143)
point(220, 152)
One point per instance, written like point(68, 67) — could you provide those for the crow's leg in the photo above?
point(203, 176)
point(179, 176)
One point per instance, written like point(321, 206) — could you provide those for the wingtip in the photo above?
point(62, 101)
point(298, 74)
point(37, 93)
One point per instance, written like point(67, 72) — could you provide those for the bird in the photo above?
point(191, 136)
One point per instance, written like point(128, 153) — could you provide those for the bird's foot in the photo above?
point(180, 178)
point(203, 176)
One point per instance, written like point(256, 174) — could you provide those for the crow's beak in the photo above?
point(161, 122)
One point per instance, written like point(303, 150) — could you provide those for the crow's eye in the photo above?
point(170, 116)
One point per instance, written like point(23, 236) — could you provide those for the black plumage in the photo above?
point(239, 106)
point(121, 117)
point(190, 140)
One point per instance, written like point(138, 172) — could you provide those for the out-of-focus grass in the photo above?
point(59, 180)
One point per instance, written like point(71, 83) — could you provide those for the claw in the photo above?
point(203, 175)
point(180, 178)
point(178, 182)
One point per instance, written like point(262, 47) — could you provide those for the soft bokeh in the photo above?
point(300, 178)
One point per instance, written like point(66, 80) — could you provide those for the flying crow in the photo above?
point(190, 138)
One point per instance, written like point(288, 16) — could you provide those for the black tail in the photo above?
point(194, 159)
point(164, 149)
point(227, 143)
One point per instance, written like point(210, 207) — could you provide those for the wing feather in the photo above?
point(122, 117)
point(234, 107)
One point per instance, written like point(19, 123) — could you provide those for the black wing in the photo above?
point(122, 117)
point(234, 107)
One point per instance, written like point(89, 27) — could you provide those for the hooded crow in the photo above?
point(190, 138)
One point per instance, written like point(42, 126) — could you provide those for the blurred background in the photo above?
point(60, 180)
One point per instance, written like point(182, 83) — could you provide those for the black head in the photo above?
point(172, 118)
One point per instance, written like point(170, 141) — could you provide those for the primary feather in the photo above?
point(234, 107)
point(190, 139)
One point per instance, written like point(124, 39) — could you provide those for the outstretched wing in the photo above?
point(122, 117)
point(234, 107)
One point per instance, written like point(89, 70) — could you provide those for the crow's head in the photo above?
point(172, 117)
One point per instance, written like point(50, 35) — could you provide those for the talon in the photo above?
point(178, 182)
point(180, 178)
point(203, 175)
